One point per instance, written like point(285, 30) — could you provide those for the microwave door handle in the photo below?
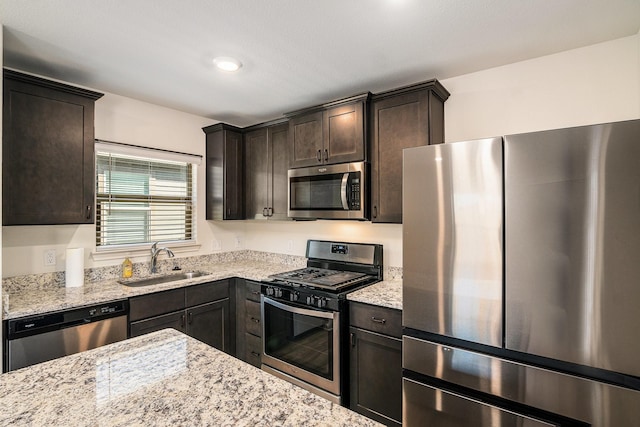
point(343, 191)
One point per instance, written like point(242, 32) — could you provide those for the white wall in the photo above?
point(594, 84)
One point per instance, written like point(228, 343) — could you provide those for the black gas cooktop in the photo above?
point(335, 267)
point(322, 278)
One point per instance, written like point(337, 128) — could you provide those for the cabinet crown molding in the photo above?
point(39, 81)
point(433, 85)
point(221, 126)
point(363, 97)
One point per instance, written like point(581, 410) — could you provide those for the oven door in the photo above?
point(303, 343)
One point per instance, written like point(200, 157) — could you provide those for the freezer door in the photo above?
point(572, 243)
point(425, 405)
point(560, 396)
point(452, 240)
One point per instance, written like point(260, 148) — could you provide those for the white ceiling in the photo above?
point(296, 53)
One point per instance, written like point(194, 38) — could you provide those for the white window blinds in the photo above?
point(143, 196)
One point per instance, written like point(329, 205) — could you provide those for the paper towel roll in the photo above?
point(74, 270)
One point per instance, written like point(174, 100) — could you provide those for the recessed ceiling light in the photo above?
point(227, 63)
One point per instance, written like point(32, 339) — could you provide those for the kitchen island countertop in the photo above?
point(161, 379)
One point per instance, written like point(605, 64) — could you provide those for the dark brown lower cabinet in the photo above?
point(208, 322)
point(248, 323)
point(375, 370)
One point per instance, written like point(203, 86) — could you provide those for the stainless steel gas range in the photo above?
point(304, 315)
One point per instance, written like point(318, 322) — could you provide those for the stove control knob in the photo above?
point(310, 300)
point(293, 296)
point(322, 302)
point(270, 291)
point(277, 292)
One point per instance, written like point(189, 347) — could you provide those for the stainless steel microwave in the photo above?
point(329, 192)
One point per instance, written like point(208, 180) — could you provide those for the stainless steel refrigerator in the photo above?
point(521, 279)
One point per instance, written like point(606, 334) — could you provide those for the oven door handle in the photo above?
point(298, 310)
point(343, 191)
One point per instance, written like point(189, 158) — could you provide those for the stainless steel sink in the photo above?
point(155, 280)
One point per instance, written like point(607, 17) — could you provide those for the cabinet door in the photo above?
point(279, 165)
point(305, 140)
point(174, 320)
point(376, 376)
point(343, 131)
point(233, 176)
point(398, 122)
point(256, 172)
point(224, 172)
point(209, 323)
point(48, 156)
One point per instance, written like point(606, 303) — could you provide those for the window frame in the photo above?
point(104, 252)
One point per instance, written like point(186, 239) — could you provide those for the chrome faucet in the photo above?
point(154, 255)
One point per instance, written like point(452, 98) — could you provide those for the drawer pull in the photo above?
point(255, 292)
point(254, 354)
point(255, 320)
point(382, 321)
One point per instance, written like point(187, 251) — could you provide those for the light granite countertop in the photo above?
point(36, 294)
point(32, 301)
point(161, 379)
point(387, 293)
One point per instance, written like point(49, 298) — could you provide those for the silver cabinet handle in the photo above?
point(375, 319)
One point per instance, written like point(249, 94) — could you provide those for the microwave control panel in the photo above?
point(354, 188)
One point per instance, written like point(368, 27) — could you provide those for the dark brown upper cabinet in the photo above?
point(224, 173)
point(328, 134)
point(408, 117)
point(48, 163)
point(266, 164)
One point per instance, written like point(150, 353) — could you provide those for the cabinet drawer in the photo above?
point(171, 320)
point(253, 291)
point(252, 321)
point(156, 304)
point(383, 320)
point(207, 292)
point(254, 350)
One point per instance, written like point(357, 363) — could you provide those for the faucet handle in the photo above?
point(154, 247)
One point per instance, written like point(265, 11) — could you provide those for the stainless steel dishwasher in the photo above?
point(35, 339)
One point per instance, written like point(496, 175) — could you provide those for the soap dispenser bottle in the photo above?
point(127, 268)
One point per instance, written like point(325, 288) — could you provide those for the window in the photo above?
point(143, 195)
